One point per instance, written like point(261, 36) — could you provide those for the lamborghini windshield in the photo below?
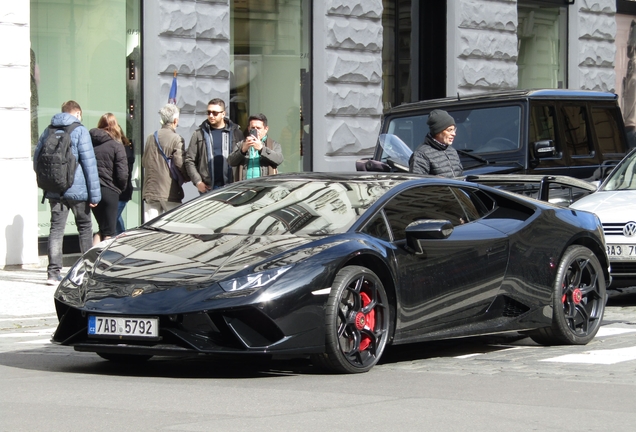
point(269, 207)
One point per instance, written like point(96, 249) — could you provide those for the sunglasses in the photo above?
point(215, 113)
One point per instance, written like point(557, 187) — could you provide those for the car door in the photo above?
point(454, 278)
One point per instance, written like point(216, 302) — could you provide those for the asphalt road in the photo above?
point(497, 383)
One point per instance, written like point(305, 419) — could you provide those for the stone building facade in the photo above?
point(194, 38)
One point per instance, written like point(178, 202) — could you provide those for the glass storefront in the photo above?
point(542, 45)
point(87, 51)
point(270, 64)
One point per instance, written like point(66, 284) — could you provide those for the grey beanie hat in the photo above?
point(438, 120)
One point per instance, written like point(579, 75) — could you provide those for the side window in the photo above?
point(377, 228)
point(576, 130)
point(542, 124)
point(427, 202)
point(473, 208)
point(412, 130)
point(606, 129)
point(543, 127)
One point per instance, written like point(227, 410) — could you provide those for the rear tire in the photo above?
point(578, 300)
point(357, 322)
point(124, 358)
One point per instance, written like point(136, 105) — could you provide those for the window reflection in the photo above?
point(429, 202)
point(277, 207)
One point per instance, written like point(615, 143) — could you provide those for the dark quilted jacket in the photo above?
point(434, 158)
point(112, 164)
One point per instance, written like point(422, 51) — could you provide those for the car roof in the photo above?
point(509, 95)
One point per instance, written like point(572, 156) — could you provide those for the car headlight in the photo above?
point(77, 272)
point(254, 280)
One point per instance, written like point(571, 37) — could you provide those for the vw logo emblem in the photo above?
point(629, 230)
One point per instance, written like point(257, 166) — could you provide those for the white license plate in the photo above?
point(123, 326)
point(621, 251)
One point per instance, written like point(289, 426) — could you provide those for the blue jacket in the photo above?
point(86, 173)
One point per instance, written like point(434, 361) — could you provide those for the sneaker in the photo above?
point(53, 280)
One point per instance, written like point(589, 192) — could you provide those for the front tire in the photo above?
point(357, 322)
point(579, 300)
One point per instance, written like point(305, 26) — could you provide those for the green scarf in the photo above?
point(254, 161)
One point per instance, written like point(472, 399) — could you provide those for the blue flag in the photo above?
point(172, 97)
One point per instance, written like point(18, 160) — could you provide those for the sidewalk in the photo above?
point(25, 298)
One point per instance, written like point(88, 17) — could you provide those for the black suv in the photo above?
point(547, 132)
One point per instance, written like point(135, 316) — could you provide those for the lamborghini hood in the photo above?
point(184, 259)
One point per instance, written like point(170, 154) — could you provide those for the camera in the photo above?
point(254, 133)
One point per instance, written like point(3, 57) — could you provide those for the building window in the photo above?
point(88, 52)
point(542, 44)
point(270, 47)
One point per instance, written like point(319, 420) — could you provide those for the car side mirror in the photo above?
point(372, 165)
point(544, 149)
point(426, 229)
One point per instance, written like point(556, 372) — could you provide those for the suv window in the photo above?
point(542, 124)
point(576, 130)
point(606, 128)
point(479, 130)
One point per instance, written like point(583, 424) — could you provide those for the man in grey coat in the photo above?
point(436, 156)
point(161, 192)
point(84, 193)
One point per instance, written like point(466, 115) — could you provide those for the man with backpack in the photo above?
point(66, 170)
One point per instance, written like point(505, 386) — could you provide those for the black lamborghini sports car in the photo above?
point(336, 267)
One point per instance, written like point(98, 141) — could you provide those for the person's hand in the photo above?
point(202, 187)
point(92, 205)
point(250, 141)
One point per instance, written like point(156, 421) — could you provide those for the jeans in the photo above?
point(59, 215)
point(121, 227)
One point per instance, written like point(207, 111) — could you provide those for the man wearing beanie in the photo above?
point(436, 156)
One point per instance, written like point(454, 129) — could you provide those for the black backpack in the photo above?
point(55, 169)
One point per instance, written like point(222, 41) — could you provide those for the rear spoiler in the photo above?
point(544, 182)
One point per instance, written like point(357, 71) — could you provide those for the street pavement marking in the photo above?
point(606, 357)
point(27, 333)
point(37, 342)
point(19, 318)
point(613, 331)
point(468, 356)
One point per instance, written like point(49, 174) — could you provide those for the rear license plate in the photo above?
point(123, 326)
point(622, 251)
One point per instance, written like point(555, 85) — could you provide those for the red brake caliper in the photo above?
point(365, 321)
point(577, 296)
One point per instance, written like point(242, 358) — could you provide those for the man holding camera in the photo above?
point(206, 159)
point(258, 155)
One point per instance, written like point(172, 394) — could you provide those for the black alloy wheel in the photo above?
point(357, 322)
point(579, 300)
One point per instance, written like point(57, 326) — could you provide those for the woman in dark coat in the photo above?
point(112, 166)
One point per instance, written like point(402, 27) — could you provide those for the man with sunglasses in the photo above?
point(211, 144)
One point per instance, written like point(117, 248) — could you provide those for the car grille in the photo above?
point(619, 268)
point(614, 229)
